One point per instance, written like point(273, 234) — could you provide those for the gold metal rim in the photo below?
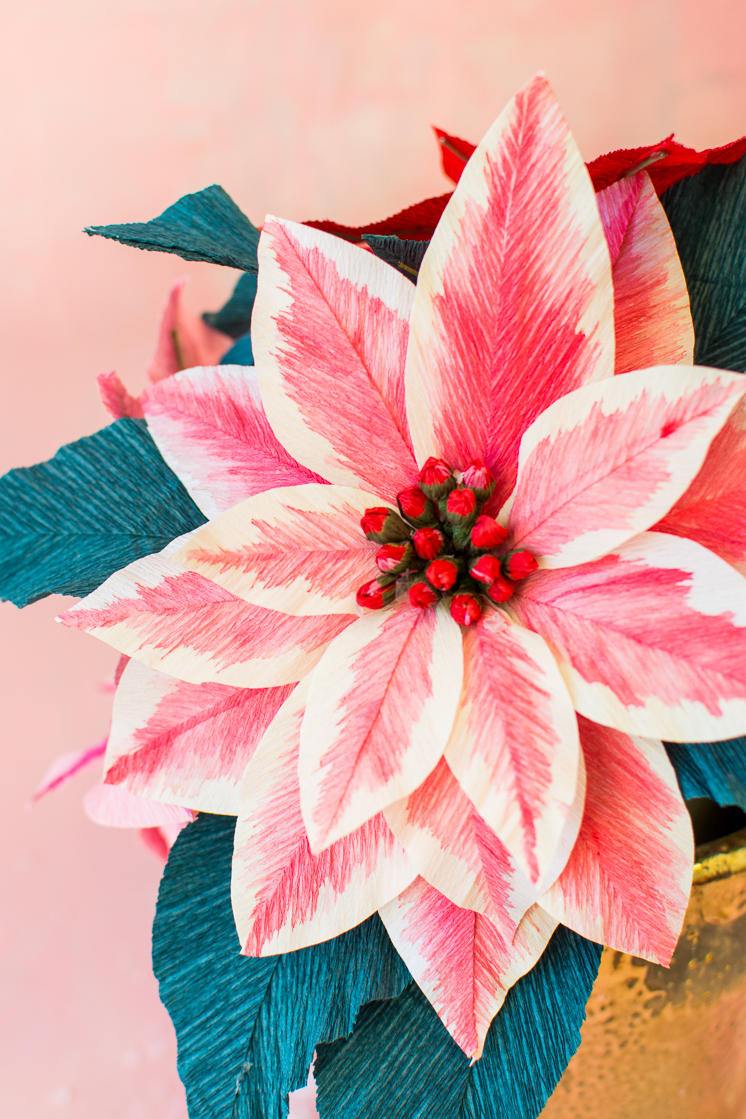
point(720, 859)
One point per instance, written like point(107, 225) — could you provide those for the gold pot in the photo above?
point(662, 1043)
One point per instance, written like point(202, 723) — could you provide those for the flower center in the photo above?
point(441, 545)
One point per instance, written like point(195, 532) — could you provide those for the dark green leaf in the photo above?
point(716, 770)
point(239, 354)
point(99, 504)
point(207, 225)
point(247, 1028)
point(234, 317)
point(708, 218)
point(406, 256)
point(400, 1063)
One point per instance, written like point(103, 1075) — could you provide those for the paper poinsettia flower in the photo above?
point(457, 585)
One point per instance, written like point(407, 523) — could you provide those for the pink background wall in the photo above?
point(308, 108)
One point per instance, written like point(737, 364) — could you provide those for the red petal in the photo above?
point(453, 153)
point(675, 162)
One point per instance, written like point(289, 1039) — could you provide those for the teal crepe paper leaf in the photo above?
point(240, 354)
point(405, 256)
point(234, 317)
point(98, 505)
point(247, 1028)
point(716, 770)
point(207, 225)
point(708, 218)
point(400, 1063)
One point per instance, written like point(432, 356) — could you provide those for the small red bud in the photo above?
point(416, 506)
point(501, 590)
point(393, 558)
point(436, 478)
point(442, 574)
point(461, 504)
point(487, 569)
point(487, 533)
point(428, 542)
point(465, 609)
point(520, 564)
point(373, 596)
point(479, 477)
point(423, 596)
point(383, 525)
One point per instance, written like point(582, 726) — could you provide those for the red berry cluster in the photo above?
point(440, 545)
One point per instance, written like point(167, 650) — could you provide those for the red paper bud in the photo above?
point(487, 569)
point(393, 558)
point(520, 564)
point(487, 533)
point(465, 609)
point(479, 478)
point(428, 542)
point(373, 596)
point(416, 506)
point(501, 589)
point(383, 525)
point(461, 505)
point(422, 595)
point(436, 478)
point(442, 574)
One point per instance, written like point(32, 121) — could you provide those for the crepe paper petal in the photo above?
point(382, 703)
point(652, 321)
point(285, 898)
point(207, 225)
point(181, 623)
point(708, 219)
point(299, 549)
point(210, 427)
point(521, 240)
point(650, 639)
point(415, 223)
point(666, 162)
point(241, 353)
point(234, 317)
point(461, 961)
point(99, 504)
point(514, 747)
point(186, 744)
point(406, 256)
point(329, 331)
point(116, 808)
point(116, 399)
point(627, 881)
point(184, 340)
point(608, 460)
point(400, 1062)
point(241, 1039)
point(716, 770)
point(454, 850)
point(454, 154)
point(65, 767)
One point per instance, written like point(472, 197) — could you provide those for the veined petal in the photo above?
point(382, 703)
point(514, 303)
point(454, 850)
point(116, 808)
point(604, 463)
point(713, 510)
point(514, 746)
point(186, 744)
point(460, 960)
point(627, 881)
point(180, 623)
point(650, 639)
point(329, 330)
point(210, 427)
point(284, 897)
point(299, 550)
point(652, 321)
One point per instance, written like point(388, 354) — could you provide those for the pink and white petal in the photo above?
point(184, 339)
point(299, 550)
point(329, 330)
point(116, 808)
point(652, 320)
point(186, 744)
point(65, 767)
point(180, 623)
point(627, 882)
point(382, 703)
point(514, 302)
point(116, 399)
point(210, 427)
point(514, 747)
point(713, 510)
point(650, 639)
point(284, 897)
point(455, 851)
point(460, 960)
point(607, 461)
